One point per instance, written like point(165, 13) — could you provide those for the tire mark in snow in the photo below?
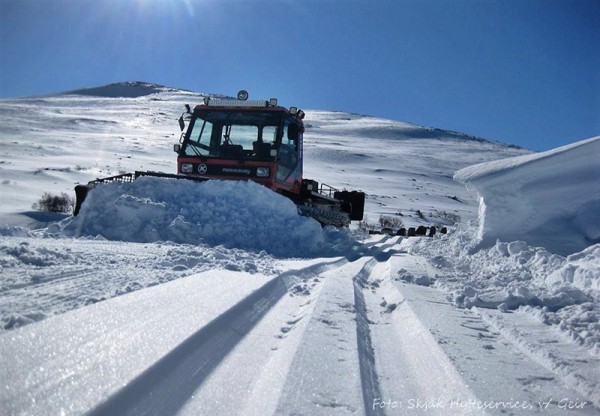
point(432, 350)
point(260, 364)
point(366, 354)
point(339, 328)
point(324, 375)
point(529, 335)
point(165, 387)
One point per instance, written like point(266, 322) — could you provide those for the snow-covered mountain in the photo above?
point(150, 304)
point(52, 143)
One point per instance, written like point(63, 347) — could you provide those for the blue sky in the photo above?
point(524, 72)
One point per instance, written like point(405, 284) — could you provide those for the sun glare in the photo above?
point(170, 6)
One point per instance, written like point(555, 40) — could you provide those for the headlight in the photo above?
point(187, 168)
point(263, 172)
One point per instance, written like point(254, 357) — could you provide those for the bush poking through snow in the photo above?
point(54, 203)
point(387, 221)
point(449, 217)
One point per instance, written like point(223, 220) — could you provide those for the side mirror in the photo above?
point(181, 123)
point(292, 132)
point(176, 148)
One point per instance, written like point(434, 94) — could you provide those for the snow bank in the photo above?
point(549, 199)
point(14, 231)
point(231, 213)
point(564, 291)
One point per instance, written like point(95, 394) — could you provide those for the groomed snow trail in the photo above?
point(329, 336)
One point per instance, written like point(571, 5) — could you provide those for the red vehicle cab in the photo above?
point(243, 140)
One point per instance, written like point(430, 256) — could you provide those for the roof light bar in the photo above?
point(241, 101)
point(237, 103)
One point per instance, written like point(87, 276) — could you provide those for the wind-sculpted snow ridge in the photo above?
point(550, 199)
point(230, 213)
point(562, 291)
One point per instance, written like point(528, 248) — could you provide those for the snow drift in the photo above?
point(230, 213)
point(549, 199)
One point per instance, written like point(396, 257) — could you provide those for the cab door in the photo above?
point(288, 174)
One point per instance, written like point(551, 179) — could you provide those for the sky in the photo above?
point(523, 72)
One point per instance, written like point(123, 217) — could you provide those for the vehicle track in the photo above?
point(249, 338)
point(369, 377)
point(582, 376)
point(444, 360)
point(326, 353)
point(166, 387)
point(331, 337)
point(327, 376)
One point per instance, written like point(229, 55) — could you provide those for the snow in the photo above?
point(83, 359)
point(234, 214)
point(550, 199)
point(160, 298)
point(509, 276)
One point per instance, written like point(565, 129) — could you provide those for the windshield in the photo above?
point(236, 135)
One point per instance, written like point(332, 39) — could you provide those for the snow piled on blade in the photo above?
point(231, 213)
point(550, 199)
